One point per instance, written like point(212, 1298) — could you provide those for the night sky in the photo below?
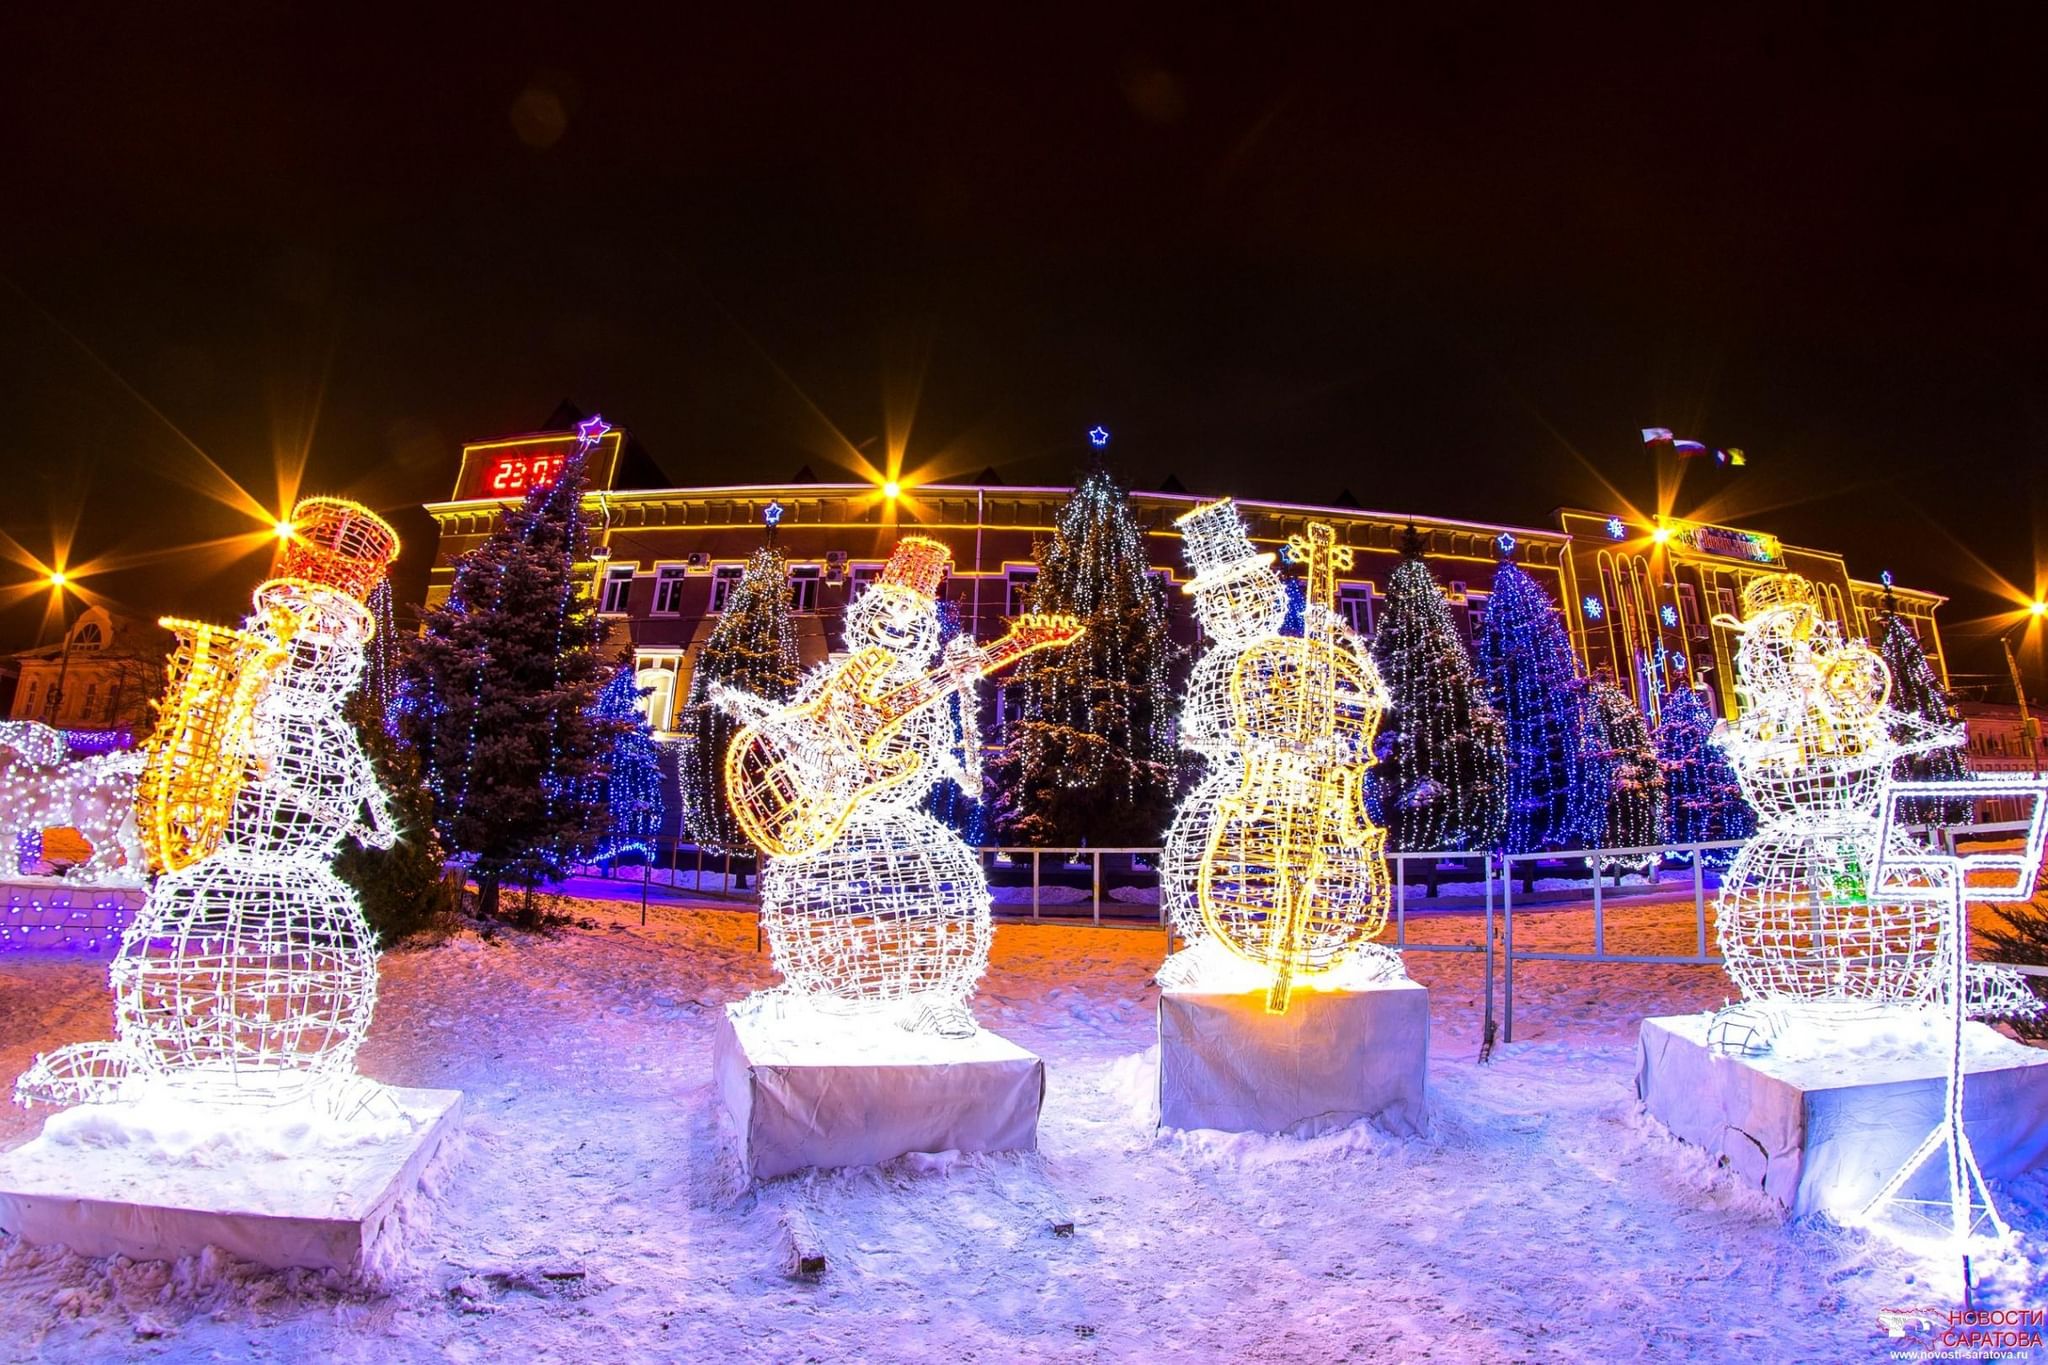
point(1452, 264)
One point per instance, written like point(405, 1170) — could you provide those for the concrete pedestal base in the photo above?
point(805, 1090)
point(104, 1184)
point(1821, 1134)
point(1333, 1058)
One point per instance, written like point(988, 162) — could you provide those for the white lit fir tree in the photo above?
point(1089, 759)
point(1623, 784)
point(1533, 683)
point(752, 649)
point(499, 692)
point(1441, 781)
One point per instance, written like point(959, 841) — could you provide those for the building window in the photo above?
point(1724, 601)
point(87, 636)
point(1017, 586)
point(1354, 604)
point(618, 586)
point(92, 698)
point(864, 576)
point(724, 579)
point(803, 587)
point(659, 704)
point(1475, 616)
point(29, 703)
point(668, 590)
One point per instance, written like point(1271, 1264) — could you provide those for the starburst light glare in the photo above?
point(250, 974)
point(1813, 750)
point(1273, 850)
point(868, 904)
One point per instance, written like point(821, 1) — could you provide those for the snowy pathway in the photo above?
point(591, 1211)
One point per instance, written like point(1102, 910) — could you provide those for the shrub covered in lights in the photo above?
point(752, 649)
point(1532, 680)
point(633, 807)
point(1089, 758)
point(1442, 781)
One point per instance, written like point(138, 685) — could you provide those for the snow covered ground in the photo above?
point(591, 1209)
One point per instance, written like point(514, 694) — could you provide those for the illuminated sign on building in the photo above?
point(508, 468)
point(1753, 547)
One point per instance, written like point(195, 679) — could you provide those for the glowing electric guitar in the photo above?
point(795, 776)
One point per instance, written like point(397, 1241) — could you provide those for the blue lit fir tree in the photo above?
point(1623, 784)
point(1702, 796)
point(1089, 758)
point(1532, 680)
point(1442, 780)
point(632, 778)
point(498, 699)
point(752, 648)
point(1917, 692)
point(962, 811)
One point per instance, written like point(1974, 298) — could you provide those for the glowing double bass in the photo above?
point(1294, 875)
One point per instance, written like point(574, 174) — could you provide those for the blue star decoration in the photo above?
point(1885, 578)
point(1669, 613)
point(772, 513)
point(1506, 543)
point(1616, 529)
point(1098, 436)
point(1593, 608)
point(1678, 662)
point(591, 430)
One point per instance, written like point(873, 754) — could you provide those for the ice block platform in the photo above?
point(128, 1180)
point(1333, 1058)
point(809, 1090)
point(1821, 1133)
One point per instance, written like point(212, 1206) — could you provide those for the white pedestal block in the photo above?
point(1333, 1058)
point(1821, 1134)
point(805, 1090)
point(107, 1186)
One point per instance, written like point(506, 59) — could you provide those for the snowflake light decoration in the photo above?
point(1668, 614)
point(869, 904)
point(1616, 530)
point(1813, 749)
point(250, 974)
point(1272, 856)
point(1594, 611)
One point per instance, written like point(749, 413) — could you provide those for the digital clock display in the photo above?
point(512, 468)
point(510, 474)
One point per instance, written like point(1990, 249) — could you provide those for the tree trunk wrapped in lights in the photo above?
point(1441, 782)
point(752, 649)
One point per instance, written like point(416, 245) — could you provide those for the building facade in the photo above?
point(105, 674)
point(1643, 602)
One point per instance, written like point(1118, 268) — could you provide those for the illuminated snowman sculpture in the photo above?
point(1271, 870)
point(870, 906)
point(250, 974)
point(1812, 749)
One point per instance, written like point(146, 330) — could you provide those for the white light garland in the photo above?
point(250, 975)
point(868, 904)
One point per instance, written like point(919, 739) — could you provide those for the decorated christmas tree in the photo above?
point(498, 698)
point(1441, 782)
point(632, 772)
point(402, 888)
point(1532, 680)
point(1703, 800)
point(1917, 691)
point(1089, 759)
point(1623, 784)
point(753, 648)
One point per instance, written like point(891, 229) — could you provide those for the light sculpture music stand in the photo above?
point(1910, 870)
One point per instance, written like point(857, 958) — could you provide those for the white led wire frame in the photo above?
point(43, 787)
point(893, 913)
point(1812, 750)
point(250, 976)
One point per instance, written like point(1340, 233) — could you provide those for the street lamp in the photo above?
point(2036, 611)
